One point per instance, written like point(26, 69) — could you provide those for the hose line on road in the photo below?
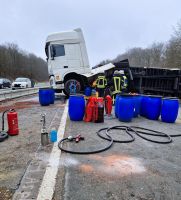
point(129, 130)
point(117, 128)
point(85, 152)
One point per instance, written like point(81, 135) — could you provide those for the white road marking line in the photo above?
point(49, 180)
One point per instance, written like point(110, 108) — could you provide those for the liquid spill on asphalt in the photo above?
point(64, 161)
point(34, 98)
point(87, 168)
point(69, 161)
point(18, 105)
point(28, 103)
point(114, 165)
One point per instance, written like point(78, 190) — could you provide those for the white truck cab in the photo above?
point(67, 59)
point(68, 62)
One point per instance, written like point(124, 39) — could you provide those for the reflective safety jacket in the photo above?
point(124, 82)
point(116, 84)
point(119, 83)
point(101, 82)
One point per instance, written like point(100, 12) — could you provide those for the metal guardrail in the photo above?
point(11, 94)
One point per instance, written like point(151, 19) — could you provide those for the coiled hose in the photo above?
point(139, 131)
point(85, 152)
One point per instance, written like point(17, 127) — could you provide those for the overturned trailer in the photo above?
point(152, 80)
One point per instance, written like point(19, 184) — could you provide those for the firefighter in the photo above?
point(115, 84)
point(118, 83)
point(124, 81)
point(101, 84)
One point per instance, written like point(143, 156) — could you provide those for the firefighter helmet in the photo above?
point(121, 71)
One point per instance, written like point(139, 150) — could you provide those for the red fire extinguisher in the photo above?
point(12, 117)
point(108, 105)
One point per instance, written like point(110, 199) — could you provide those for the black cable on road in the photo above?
point(159, 133)
point(154, 133)
point(85, 152)
point(117, 128)
point(129, 130)
point(3, 136)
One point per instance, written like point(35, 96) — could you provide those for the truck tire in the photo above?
point(72, 84)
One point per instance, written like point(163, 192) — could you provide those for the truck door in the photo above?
point(73, 55)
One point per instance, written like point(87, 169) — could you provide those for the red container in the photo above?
point(98, 110)
point(108, 105)
point(89, 109)
point(12, 117)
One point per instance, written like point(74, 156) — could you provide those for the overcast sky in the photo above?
point(110, 26)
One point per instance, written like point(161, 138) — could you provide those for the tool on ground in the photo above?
point(44, 133)
point(78, 138)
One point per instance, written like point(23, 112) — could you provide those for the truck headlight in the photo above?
point(57, 78)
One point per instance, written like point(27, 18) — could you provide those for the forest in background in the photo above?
point(15, 62)
point(166, 55)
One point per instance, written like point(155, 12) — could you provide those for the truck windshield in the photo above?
point(57, 50)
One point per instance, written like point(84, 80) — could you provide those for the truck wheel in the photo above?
point(72, 86)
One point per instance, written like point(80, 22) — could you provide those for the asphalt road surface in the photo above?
point(138, 171)
point(20, 152)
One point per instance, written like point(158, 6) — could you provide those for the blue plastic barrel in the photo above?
point(169, 111)
point(44, 96)
point(143, 107)
point(76, 107)
point(125, 108)
point(52, 96)
point(88, 91)
point(153, 107)
point(116, 106)
point(137, 104)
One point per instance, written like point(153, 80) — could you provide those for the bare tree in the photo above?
point(157, 55)
point(15, 62)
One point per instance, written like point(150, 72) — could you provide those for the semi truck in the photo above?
point(68, 63)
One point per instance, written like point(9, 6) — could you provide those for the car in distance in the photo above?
point(21, 83)
point(5, 83)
